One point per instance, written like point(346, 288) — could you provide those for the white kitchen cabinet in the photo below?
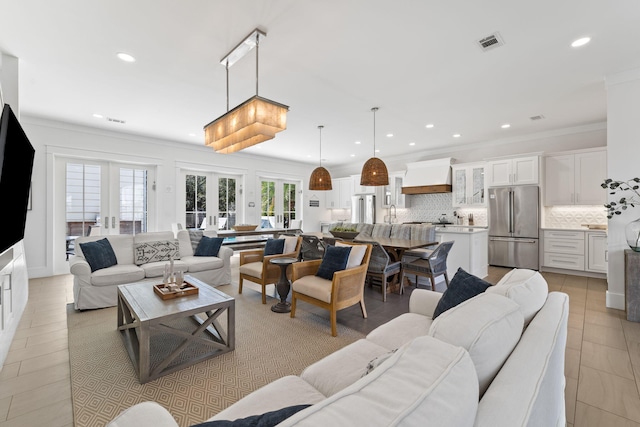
point(392, 193)
point(361, 189)
point(515, 171)
point(468, 185)
point(340, 195)
point(574, 179)
point(597, 258)
point(469, 252)
point(564, 249)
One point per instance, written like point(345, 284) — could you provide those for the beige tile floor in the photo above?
point(602, 358)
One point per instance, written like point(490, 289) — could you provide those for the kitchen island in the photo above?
point(470, 250)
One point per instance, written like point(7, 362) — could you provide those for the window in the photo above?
point(133, 201)
point(226, 203)
point(267, 204)
point(83, 184)
point(289, 208)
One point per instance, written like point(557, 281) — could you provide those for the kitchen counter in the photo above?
point(461, 229)
point(593, 230)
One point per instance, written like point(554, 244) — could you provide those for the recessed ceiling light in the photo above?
point(505, 126)
point(353, 155)
point(126, 57)
point(389, 135)
point(581, 42)
point(429, 126)
point(192, 134)
point(412, 143)
point(456, 135)
point(377, 151)
point(358, 142)
point(98, 116)
point(308, 155)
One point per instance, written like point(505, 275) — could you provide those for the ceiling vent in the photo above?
point(111, 119)
point(538, 117)
point(491, 42)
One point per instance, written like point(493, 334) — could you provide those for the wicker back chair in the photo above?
point(381, 268)
point(433, 266)
point(312, 247)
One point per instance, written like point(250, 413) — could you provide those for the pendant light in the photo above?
point(320, 178)
point(374, 171)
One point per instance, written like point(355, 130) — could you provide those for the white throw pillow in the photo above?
point(290, 243)
point(488, 326)
point(527, 288)
point(356, 254)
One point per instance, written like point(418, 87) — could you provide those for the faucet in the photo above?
point(391, 218)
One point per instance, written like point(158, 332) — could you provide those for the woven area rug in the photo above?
point(268, 346)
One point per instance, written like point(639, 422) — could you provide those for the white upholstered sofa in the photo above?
point(495, 360)
point(98, 289)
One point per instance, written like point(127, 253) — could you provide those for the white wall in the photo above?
point(623, 156)
point(54, 139)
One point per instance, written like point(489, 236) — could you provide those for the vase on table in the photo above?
point(632, 234)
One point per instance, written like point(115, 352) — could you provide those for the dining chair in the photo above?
point(344, 290)
point(433, 266)
point(256, 267)
point(312, 247)
point(381, 268)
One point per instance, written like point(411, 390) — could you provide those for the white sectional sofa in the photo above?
point(98, 289)
point(495, 360)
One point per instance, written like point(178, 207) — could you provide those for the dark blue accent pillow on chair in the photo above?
point(209, 246)
point(274, 247)
point(99, 254)
point(462, 287)
point(335, 259)
point(268, 419)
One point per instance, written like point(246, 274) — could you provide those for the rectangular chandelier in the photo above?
point(254, 121)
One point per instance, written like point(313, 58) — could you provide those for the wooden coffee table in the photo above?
point(163, 336)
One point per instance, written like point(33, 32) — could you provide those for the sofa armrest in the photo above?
point(304, 268)
point(424, 302)
point(144, 414)
point(78, 266)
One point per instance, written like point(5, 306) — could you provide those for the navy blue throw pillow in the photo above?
point(462, 287)
point(99, 254)
point(274, 247)
point(335, 259)
point(268, 419)
point(209, 246)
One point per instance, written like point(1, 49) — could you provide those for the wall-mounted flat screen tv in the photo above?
point(16, 161)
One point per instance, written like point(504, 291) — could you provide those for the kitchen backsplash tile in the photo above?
point(573, 216)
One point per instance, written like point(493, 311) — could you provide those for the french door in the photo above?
point(279, 202)
point(106, 198)
point(210, 200)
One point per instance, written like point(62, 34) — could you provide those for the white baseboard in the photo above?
point(615, 301)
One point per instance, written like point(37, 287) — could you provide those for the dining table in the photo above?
point(396, 247)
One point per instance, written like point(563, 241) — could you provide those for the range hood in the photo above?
point(428, 177)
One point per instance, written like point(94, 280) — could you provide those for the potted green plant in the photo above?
point(630, 198)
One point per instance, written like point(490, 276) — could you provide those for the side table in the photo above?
point(284, 285)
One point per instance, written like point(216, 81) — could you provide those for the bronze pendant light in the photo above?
point(374, 171)
point(320, 179)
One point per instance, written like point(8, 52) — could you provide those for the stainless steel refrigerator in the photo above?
point(363, 208)
point(514, 223)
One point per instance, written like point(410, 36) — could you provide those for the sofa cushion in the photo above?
point(381, 230)
point(286, 391)
point(208, 246)
point(401, 231)
point(159, 250)
point(253, 269)
point(527, 288)
point(343, 367)
point(335, 259)
point(99, 254)
point(203, 263)
point(400, 330)
point(156, 269)
point(356, 254)
point(488, 326)
point(117, 275)
point(442, 391)
point(268, 419)
point(314, 286)
point(462, 287)
point(274, 247)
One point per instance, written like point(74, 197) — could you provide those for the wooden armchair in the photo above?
point(345, 290)
point(257, 268)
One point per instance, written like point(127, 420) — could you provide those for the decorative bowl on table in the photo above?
point(244, 227)
point(347, 235)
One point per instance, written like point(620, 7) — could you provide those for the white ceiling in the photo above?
point(330, 61)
